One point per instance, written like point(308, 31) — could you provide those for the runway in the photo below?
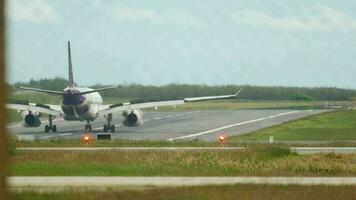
point(172, 126)
point(112, 181)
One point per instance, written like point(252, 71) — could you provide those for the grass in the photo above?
point(242, 192)
point(334, 126)
point(256, 161)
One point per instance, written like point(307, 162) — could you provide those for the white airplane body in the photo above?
point(86, 104)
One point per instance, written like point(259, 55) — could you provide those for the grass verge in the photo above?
point(332, 126)
point(258, 160)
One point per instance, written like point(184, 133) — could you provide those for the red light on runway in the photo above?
point(87, 138)
point(222, 139)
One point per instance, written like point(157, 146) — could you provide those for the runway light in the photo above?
point(222, 139)
point(87, 138)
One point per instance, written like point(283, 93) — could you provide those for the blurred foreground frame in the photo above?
point(4, 156)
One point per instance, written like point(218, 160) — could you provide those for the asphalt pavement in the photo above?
point(172, 126)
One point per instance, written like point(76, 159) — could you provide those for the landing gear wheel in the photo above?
point(109, 127)
point(88, 126)
point(112, 128)
point(54, 128)
point(106, 128)
point(47, 128)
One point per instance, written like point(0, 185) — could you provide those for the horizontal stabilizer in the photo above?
point(99, 90)
point(42, 90)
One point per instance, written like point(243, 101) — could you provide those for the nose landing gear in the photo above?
point(88, 126)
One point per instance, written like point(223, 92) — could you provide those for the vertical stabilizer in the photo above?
point(70, 69)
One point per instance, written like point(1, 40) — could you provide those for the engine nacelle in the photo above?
point(133, 117)
point(31, 119)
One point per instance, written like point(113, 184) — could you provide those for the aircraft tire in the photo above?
point(54, 128)
point(106, 128)
point(46, 129)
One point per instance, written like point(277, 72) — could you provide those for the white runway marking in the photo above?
point(14, 126)
point(65, 134)
point(231, 125)
point(48, 136)
point(112, 181)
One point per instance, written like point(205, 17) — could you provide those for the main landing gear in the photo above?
point(50, 125)
point(88, 126)
point(109, 127)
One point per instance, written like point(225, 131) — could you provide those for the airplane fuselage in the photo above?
point(80, 107)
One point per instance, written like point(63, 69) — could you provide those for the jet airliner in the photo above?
point(86, 104)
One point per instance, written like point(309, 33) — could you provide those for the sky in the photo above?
point(274, 43)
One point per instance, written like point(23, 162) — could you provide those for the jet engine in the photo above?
point(31, 119)
point(133, 117)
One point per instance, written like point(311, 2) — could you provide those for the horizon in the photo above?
point(167, 84)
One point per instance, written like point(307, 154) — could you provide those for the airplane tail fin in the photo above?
point(70, 68)
point(71, 81)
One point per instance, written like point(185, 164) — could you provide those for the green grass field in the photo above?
point(337, 125)
point(241, 192)
point(256, 161)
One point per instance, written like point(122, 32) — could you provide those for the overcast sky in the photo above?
point(288, 43)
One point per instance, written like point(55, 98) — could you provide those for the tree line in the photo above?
point(173, 91)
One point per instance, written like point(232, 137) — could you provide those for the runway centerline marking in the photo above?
point(232, 125)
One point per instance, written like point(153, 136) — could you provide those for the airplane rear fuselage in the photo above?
point(80, 107)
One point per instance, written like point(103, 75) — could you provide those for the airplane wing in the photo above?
point(130, 106)
point(53, 110)
point(139, 105)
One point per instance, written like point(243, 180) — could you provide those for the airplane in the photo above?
point(86, 104)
